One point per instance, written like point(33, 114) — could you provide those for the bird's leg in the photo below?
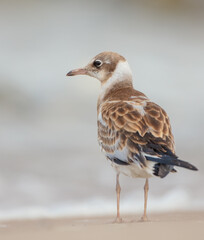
point(118, 189)
point(146, 188)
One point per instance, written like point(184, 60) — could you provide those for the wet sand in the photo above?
point(185, 225)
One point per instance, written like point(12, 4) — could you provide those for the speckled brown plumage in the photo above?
point(131, 120)
point(134, 133)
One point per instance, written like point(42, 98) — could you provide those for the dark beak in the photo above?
point(79, 71)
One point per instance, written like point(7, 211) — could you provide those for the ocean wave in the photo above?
point(177, 200)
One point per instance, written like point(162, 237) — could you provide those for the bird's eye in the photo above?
point(97, 63)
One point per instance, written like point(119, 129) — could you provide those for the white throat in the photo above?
point(121, 73)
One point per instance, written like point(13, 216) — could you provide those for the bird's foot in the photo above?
point(144, 219)
point(118, 220)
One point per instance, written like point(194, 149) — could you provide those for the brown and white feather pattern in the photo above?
point(133, 132)
point(131, 127)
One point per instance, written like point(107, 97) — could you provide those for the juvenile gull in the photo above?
point(134, 133)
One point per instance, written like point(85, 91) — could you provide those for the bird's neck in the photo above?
point(121, 78)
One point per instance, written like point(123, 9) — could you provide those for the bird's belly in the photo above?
point(133, 170)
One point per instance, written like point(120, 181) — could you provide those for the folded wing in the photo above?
point(137, 131)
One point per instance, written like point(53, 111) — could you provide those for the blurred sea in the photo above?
point(50, 162)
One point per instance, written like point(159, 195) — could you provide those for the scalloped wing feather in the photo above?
point(132, 127)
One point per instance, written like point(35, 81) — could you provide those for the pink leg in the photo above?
point(146, 188)
point(118, 190)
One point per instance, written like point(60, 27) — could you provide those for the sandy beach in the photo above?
point(185, 225)
point(51, 167)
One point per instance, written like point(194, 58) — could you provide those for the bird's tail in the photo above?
point(172, 161)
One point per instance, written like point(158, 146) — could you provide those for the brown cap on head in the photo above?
point(101, 66)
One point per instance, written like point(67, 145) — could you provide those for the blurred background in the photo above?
point(50, 162)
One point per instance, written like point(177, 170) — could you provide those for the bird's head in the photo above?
point(104, 66)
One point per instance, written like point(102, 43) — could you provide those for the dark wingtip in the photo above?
point(168, 160)
point(193, 168)
point(184, 164)
point(188, 165)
